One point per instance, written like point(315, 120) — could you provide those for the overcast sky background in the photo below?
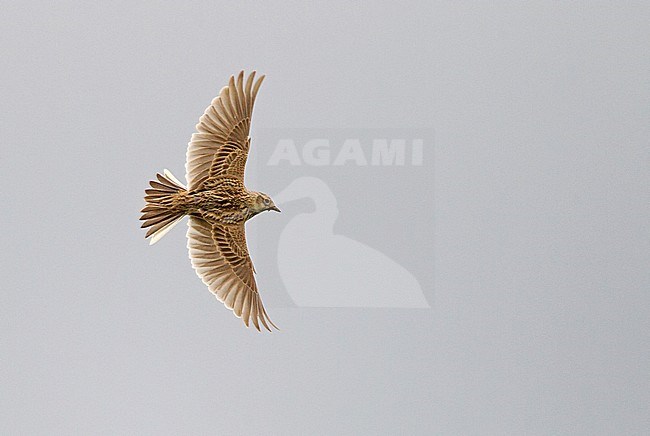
point(540, 305)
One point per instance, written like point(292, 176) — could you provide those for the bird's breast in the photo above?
point(221, 206)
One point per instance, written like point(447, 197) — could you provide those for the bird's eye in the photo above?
point(267, 201)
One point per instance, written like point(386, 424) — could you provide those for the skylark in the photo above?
point(216, 201)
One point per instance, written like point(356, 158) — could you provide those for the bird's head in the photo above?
point(263, 202)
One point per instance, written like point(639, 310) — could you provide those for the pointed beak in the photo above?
point(275, 208)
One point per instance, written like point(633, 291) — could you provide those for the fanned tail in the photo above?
point(161, 212)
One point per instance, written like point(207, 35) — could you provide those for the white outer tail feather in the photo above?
point(156, 236)
point(169, 174)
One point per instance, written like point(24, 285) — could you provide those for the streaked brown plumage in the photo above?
point(216, 201)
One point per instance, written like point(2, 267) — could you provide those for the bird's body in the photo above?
point(222, 200)
point(217, 201)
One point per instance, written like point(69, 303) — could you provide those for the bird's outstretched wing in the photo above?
point(220, 257)
point(220, 145)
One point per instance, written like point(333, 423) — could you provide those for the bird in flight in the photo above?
point(216, 201)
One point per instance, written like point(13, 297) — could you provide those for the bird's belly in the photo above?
point(219, 207)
